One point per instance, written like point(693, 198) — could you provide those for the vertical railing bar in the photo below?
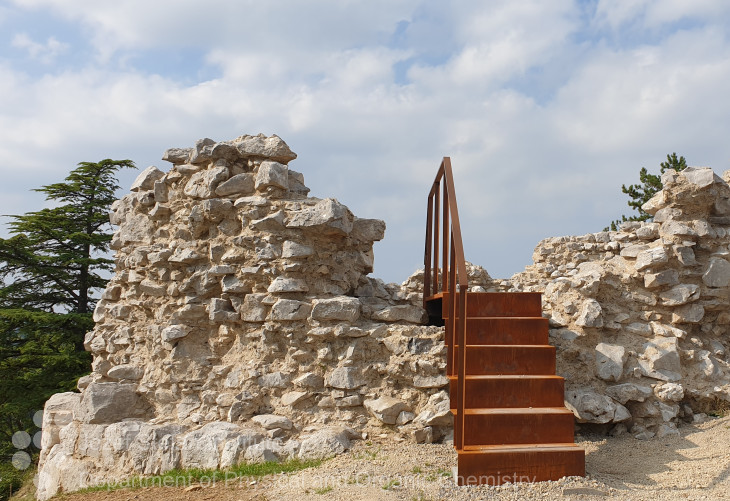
point(457, 348)
point(436, 228)
point(445, 244)
point(427, 254)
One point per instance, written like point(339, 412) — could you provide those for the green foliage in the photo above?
point(54, 256)
point(39, 356)
point(49, 269)
point(10, 480)
point(649, 185)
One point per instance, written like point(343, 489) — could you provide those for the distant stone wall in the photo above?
point(640, 317)
point(240, 324)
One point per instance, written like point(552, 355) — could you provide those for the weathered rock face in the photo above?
point(241, 325)
point(640, 316)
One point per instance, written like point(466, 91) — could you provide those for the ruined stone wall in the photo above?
point(640, 317)
point(240, 324)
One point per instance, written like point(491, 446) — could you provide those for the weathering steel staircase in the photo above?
point(510, 422)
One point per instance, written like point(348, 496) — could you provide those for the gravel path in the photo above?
point(692, 466)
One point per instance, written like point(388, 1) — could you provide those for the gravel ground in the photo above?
point(692, 466)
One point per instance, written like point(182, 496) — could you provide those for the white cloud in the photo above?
point(44, 52)
point(542, 130)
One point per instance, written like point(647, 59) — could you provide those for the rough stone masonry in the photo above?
point(241, 324)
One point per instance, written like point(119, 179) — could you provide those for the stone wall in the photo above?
point(240, 324)
point(640, 317)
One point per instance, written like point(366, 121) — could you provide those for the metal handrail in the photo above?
point(452, 273)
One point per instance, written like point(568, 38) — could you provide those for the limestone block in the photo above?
point(623, 393)
point(177, 155)
point(666, 277)
point(240, 184)
point(203, 184)
point(296, 183)
point(718, 273)
point(310, 380)
point(591, 407)
point(288, 310)
point(701, 177)
point(639, 329)
point(685, 255)
point(438, 381)
point(345, 378)
point(648, 231)
point(272, 174)
point(590, 314)
point(283, 284)
point(337, 308)
point(436, 412)
point(232, 284)
point(272, 421)
point(272, 147)
point(253, 309)
point(108, 403)
point(296, 250)
point(161, 192)
point(655, 203)
point(610, 361)
point(292, 398)
point(120, 436)
point(676, 229)
point(660, 359)
point(221, 310)
point(274, 380)
point(328, 215)
point(708, 365)
point(234, 449)
point(202, 448)
point(126, 371)
point(680, 294)
point(216, 209)
point(669, 392)
point(688, 314)
point(660, 329)
point(146, 179)
point(266, 451)
point(173, 332)
point(273, 222)
point(405, 313)
point(651, 258)
point(385, 408)
point(324, 443)
point(633, 250)
point(368, 230)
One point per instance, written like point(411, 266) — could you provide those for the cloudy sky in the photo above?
point(545, 108)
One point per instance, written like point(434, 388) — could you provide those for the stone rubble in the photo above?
point(241, 325)
point(640, 316)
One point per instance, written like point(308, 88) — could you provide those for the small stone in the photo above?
point(651, 257)
point(238, 184)
point(271, 421)
point(590, 314)
point(610, 361)
point(146, 179)
point(385, 408)
point(718, 273)
point(281, 284)
point(272, 174)
point(346, 378)
point(337, 308)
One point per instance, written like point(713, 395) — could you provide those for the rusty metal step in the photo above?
point(496, 465)
point(510, 359)
point(489, 391)
point(500, 304)
point(506, 331)
point(540, 425)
